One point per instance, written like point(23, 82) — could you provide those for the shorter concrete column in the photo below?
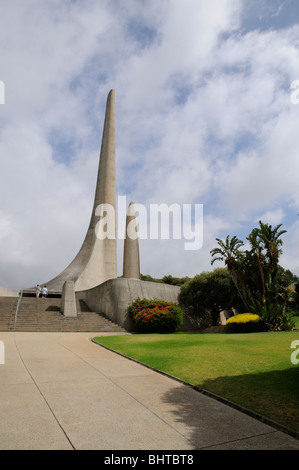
point(131, 263)
point(68, 300)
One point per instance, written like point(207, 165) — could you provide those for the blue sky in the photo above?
point(203, 116)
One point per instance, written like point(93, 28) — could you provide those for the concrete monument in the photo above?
point(131, 262)
point(96, 261)
point(92, 275)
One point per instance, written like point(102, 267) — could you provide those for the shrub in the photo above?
point(155, 316)
point(272, 315)
point(209, 292)
point(243, 318)
point(245, 323)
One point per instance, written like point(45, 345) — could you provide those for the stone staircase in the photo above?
point(43, 315)
point(8, 307)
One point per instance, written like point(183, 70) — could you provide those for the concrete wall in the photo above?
point(68, 299)
point(5, 292)
point(114, 296)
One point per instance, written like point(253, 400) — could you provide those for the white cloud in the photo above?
point(203, 115)
point(274, 217)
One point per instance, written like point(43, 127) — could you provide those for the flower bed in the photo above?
point(245, 323)
point(243, 318)
point(155, 316)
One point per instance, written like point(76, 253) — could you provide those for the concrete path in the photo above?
point(61, 391)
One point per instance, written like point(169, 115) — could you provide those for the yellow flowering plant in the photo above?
point(245, 323)
point(243, 318)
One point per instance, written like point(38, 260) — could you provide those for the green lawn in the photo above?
point(253, 370)
point(296, 320)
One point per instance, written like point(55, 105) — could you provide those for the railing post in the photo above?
point(17, 309)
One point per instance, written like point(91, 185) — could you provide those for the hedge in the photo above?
point(245, 323)
point(155, 316)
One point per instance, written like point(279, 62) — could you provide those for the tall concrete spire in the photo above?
point(131, 262)
point(96, 261)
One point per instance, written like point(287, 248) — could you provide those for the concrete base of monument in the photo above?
point(113, 297)
point(5, 292)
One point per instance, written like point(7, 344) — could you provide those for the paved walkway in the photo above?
point(61, 391)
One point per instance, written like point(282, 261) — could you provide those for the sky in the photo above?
point(205, 115)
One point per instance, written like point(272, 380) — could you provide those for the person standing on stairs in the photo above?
point(37, 290)
point(45, 291)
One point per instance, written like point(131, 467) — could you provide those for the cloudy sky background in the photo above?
point(204, 115)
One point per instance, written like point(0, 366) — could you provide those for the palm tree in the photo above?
point(265, 242)
point(271, 241)
point(258, 258)
point(256, 273)
point(229, 252)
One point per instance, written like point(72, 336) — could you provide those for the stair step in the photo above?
point(8, 307)
point(44, 315)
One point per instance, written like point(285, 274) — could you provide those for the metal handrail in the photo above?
point(17, 309)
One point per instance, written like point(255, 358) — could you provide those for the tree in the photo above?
point(174, 281)
point(265, 245)
point(209, 292)
point(260, 281)
point(229, 252)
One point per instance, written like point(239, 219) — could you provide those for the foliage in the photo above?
point(230, 253)
point(168, 279)
point(271, 315)
point(245, 323)
point(259, 279)
point(209, 292)
point(155, 315)
point(295, 319)
point(149, 278)
point(175, 281)
point(295, 302)
point(243, 318)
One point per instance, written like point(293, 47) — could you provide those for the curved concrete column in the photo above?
point(68, 300)
point(131, 262)
point(96, 261)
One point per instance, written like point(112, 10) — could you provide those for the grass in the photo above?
point(296, 321)
point(252, 370)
